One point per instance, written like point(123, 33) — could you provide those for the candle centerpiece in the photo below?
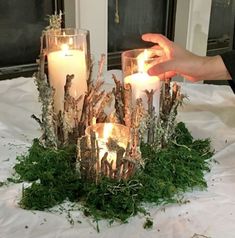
point(135, 64)
point(63, 95)
point(100, 158)
point(66, 51)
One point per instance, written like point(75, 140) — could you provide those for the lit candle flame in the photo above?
point(65, 49)
point(107, 130)
point(143, 60)
point(70, 41)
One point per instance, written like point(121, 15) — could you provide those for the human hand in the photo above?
point(175, 60)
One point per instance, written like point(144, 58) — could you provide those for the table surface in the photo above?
point(209, 112)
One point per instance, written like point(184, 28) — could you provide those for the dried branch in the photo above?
point(137, 115)
point(101, 67)
point(55, 21)
point(46, 97)
point(151, 115)
point(127, 104)
point(95, 100)
point(104, 101)
point(71, 114)
point(38, 120)
point(118, 92)
point(169, 102)
point(165, 98)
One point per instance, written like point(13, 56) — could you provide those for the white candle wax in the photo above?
point(62, 63)
point(141, 82)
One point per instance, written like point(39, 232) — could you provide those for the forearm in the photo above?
point(213, 68)
point(197, 68)
point(229, 61)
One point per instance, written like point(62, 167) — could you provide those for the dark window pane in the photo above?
point(221, 28)
point(136, 17)
point(21, 23)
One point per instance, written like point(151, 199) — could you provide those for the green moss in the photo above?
point(166, 175)
point(148, 223)
point(111, 199)
point(53, 175)
point(2, 184)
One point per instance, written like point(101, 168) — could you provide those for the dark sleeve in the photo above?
point(229, 61)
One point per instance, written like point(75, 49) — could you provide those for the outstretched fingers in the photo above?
point(156, 38)
point(158, 50)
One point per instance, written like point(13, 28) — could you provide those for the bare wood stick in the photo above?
point(151, 128)
point(125, 169)
point(71, 114)
point(68, 124)
point(103, 167)
point(42, 59)
point(101, 66)
point(166, 98)
point(98, 96)
point(67, 86)
point(94, 89)
point(175, 89)
point(60, 129)
point(119, 105)
point(109, 169)
point(93, 159)
point(169, 101)
point(171, 122)
point(130, 170)
point(83, 157)
point(127, 104)
point(137, 115)
point(105, 101)
point(37, 119)
point(46, 95)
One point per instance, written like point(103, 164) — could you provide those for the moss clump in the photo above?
point(166, 175)
point(53, 175)
point(178, 168)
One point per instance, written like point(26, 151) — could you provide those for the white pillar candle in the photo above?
point(141, 82)
point(135, 67)
point(62, 63)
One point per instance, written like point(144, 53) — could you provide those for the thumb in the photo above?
point(161, 68)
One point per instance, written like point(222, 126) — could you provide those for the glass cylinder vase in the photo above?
point(135, 64)
point(112, 143)
point(110, 133)
point(67, 54)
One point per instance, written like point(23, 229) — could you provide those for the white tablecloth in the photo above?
point(209, 112)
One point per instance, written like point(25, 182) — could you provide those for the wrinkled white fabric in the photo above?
point(209, 112)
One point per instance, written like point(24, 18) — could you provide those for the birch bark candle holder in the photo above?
point(66, 51)
point(135, 64)
point(105, 151)
point(72, 103)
